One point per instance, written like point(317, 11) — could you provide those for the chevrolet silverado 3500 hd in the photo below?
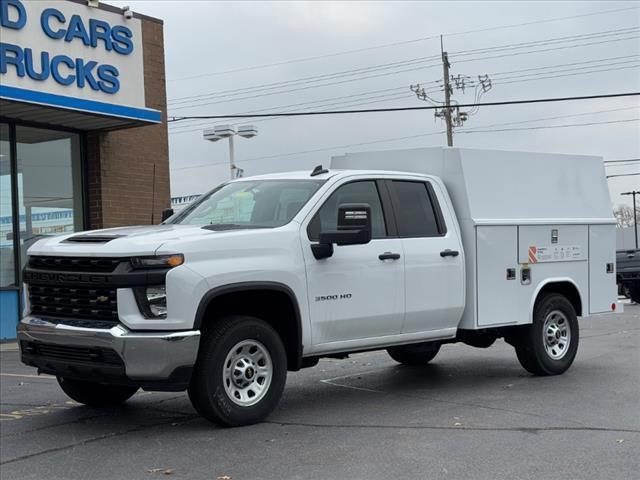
point(399, 250)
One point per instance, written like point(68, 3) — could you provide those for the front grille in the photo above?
point(75, 264)
point(71, 354)
point(91, 303)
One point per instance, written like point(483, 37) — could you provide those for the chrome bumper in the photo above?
point(147, 357)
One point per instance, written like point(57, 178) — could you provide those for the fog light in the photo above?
point(152, 301)
point(157, 299)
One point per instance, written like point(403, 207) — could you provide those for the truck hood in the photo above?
point(125, 241)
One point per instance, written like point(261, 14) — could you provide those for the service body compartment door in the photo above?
point(497, 251)
point(552, 243)
point(602, 279)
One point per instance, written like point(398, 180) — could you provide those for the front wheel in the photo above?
point(240, 372)
point(549, 345)
point(96, 394)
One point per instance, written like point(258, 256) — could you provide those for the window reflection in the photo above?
point(7, 270)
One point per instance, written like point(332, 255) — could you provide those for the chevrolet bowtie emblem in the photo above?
point(102, 298)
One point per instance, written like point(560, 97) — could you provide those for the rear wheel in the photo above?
point(240, 372)
point(417, 354)
point(96, 394)
point(549, 345)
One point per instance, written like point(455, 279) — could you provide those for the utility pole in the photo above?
point(451, 114)
point(635, 213)
point(447, 94)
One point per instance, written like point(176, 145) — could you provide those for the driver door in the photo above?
point(358, 292)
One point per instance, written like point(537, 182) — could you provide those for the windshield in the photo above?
point(249, 204)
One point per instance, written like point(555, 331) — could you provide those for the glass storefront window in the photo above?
point(7, 268)
point(49, 184)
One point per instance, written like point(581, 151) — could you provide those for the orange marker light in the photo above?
point(175, 260)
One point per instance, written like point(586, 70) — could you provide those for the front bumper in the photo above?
point(151, 360)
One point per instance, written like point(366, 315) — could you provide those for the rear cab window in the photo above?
point(416, 209)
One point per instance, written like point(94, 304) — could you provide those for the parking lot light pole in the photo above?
point(635, 214)
point(229, 131)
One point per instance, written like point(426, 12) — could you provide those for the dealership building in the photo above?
point(83, 132)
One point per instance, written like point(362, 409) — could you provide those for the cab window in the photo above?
point(365, 191)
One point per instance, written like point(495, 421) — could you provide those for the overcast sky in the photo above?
point(203, 39)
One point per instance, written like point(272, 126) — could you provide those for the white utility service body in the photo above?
point(403, 250)
point(550, 213)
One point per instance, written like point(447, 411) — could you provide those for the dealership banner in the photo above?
point(73, 56)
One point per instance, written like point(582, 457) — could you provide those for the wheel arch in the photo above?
point(562, 285)
point(266, 300)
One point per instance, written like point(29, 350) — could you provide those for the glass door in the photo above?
point(49, 184)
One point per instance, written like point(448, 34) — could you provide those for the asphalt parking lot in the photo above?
point(472, 414)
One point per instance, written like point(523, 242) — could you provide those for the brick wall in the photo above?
point(121, 164)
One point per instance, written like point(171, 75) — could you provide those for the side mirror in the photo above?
point(354, 228)
point(166, 213)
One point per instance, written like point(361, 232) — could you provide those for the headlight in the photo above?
point(152, 301)
point(159, 261)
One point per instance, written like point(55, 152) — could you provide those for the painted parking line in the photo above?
point(23, 375)
point(333, 381)
point(37, 411)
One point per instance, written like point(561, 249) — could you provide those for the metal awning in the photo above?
point(75, 113)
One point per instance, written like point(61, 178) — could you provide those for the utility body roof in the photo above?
point(493, 187)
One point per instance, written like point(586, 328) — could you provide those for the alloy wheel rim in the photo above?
point(247, 373)
point(556, 335)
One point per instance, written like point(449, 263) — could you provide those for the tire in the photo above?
point(549, 345)
point(240, 372)
point(415, 355)
point(96, 394)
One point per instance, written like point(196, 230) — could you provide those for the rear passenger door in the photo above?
point(433, 256)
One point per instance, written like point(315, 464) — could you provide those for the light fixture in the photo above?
point(224, 131)
point(210, 134)
point(93, 3)
point(219, 132)
point(247, 131)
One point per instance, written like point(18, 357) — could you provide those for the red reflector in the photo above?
point(613, 307)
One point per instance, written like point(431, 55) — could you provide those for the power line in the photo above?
point(309, 79)
point(570, 70)
point(400, 109)
point(577, 66)
point(599, 60)
point(394, 44)
point(388, 66)
point(330, 99)
point(200, 125)
point(357, 102)
point(386, 140)
point(549, 41)
point(545, 50)
point(180, 128)
point(569, 74)
point(544, 127)
point(298, 89)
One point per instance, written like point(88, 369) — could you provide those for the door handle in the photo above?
point(449, 253)
point(389, 256)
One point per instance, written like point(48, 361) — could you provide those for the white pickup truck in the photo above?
point(399, 250)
